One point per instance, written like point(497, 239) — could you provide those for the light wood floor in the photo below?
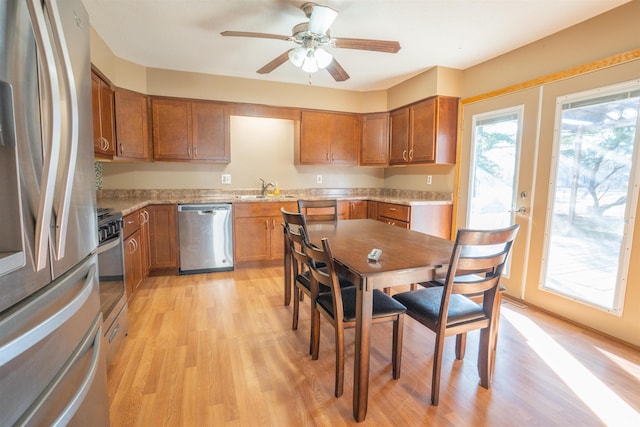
point(218, 350)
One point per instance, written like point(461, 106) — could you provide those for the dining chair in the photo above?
point(318, 210)
point(339, 307)
point(294, 224)
point(476, 265)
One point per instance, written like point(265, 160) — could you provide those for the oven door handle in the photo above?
point(109, 245)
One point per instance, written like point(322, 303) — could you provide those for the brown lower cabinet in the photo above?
point(164, 253)
point(434, 219)
point(258, 233)
point(133, 273)
point(352, 209)
point(133, 263)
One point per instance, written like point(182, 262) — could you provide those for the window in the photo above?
point(593, 195)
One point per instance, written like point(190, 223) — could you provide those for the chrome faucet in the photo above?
point(265, 186)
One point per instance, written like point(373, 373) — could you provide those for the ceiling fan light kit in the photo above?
point(311, 37)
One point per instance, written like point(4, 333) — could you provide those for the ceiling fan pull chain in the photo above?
point(310, 81)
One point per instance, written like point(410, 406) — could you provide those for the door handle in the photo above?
point(520, 210)
point(53, 133)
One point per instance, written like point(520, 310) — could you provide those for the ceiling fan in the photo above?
point(311, 39)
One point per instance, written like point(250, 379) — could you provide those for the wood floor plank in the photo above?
point(218, 350)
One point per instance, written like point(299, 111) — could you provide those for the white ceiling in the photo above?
point(185, 34)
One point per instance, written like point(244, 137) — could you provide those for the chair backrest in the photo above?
point(294, 225)
point(477, 262)
point(319, 210)
point(323, 272)
point(478, 259)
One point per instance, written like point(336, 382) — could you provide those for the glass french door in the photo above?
point(496, 185)
point(592, 196)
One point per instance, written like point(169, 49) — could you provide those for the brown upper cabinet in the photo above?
point(374, 144)
point(104, 144)
point(328, 138)
point(424, 132)
point(132, 125)
point(190, 130)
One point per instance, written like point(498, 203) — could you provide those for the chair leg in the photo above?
point(485, 356)
point(437, 368)
point(315, 333)
point(396, 355)
point(296, 307)
point(413, 286)
point(461, 345)
point(339, 361)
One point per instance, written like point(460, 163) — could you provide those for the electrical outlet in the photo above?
point(318, 179)
point(225, 178)
point(429, 179)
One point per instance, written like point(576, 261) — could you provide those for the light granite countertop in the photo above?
point(128, 201)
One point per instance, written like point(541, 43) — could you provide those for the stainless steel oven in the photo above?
point(113, 295)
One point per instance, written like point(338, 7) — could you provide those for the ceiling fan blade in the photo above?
point(367, 44)
point(321, 19)
point(275, 63)
point(337, 72)
point(255, 35)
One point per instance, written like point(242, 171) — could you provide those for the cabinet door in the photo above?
point(399, 140)
point(132, 125)
point(163, 237)
point(171, 129)
point(344, 139)
point(103, 117)
point(358, 209)
point(315, 137)
point(210, 132)
point(132, 263)
point(374, 144)
point(277, 238)
point(252, 238)
point(422, 144)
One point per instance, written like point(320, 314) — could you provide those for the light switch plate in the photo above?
point(318, 179)
point(226, 178)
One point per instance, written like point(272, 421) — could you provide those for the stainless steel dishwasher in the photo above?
point(206, 237)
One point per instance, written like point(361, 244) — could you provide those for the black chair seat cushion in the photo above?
point(305, 280)
point(383, 304)
point(424, 306)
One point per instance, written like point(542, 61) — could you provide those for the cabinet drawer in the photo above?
point(248, 210)
point(131, 224)
point(393, 211)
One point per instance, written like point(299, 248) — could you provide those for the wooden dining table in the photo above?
point(407, 257)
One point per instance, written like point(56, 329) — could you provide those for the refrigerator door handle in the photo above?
point(92, 339)
point(15, 347)
point(52, 133)
point(71, 105)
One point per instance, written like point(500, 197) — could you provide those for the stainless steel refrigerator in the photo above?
point(52, 367)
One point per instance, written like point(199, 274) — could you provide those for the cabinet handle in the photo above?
point(392, 209)
point(333, 157)
point(266, 224)
point(411, 154)
point(146, 215)
point(327, 156)
point(189, 151)
point(195, 152)
point(121, 146)
point(404, 155)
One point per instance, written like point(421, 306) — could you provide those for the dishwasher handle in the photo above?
point(204, 209)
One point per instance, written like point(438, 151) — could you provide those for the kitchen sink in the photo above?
point(250, 196)
point(257, 196)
